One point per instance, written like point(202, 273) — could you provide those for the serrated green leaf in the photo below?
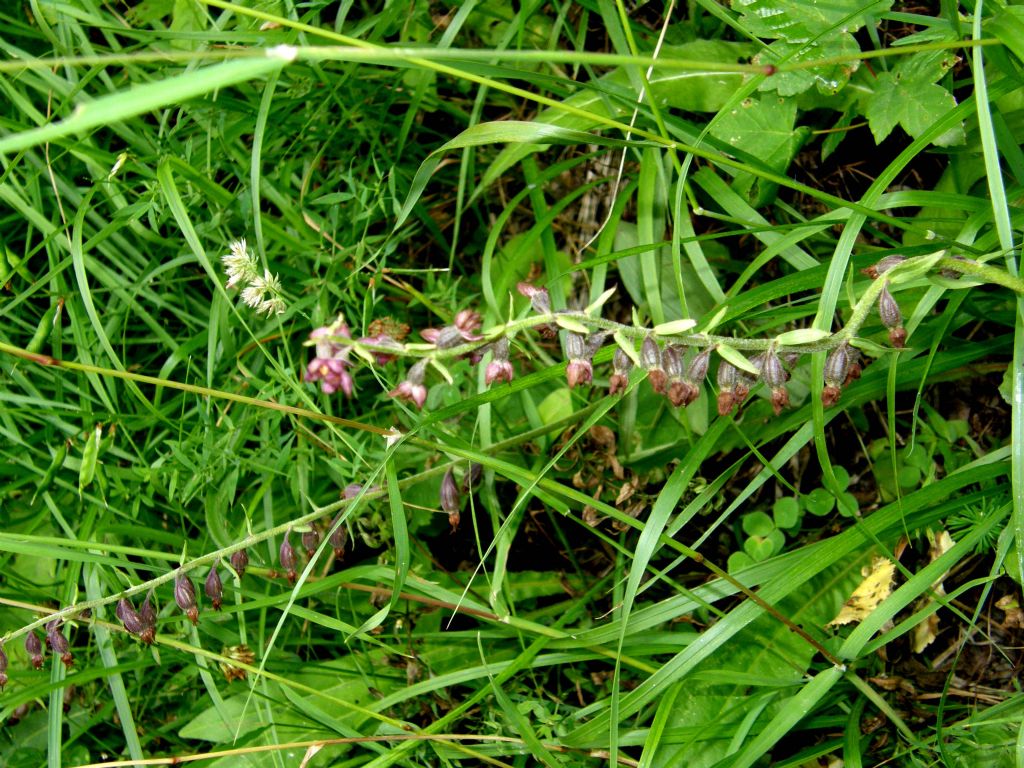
point(801, 336)
point(736, 358)
point(763, 127)
point(915, 106)
point(675, 326)
point(571, 325)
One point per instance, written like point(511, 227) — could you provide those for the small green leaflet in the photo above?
point(572, 325)
point(801, 336)
point(733, 356)
point(674, 327)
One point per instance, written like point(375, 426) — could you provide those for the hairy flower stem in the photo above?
point(861, 311)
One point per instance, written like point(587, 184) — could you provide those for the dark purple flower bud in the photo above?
point(575, 348)
point(287, 558)
point(772, 372)
point(56, 640)
point(728, 378)
point(339, 537)
point(185, 597)
point(837, 366)
point(698, 369)
point(672, 362)
point(129, 616)
point(3, 668)
point(892, 319)
point(240, 561)
point(147, 614)
point(214, 587)
point(34, 648)
point(883, 266)
point(621, 366)
point(650, 354)
point(594, 342)
point(579, 370)
point(650, 359)
point(450, 499)
point(310, 541)
point(889, 310)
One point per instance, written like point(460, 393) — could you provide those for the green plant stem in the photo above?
point(862, 309)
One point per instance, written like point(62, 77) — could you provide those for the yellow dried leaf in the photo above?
point(877, 586)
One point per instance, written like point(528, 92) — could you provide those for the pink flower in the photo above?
point(414, 393)
point(412, 389)
point(499, 370)
point(330, 365)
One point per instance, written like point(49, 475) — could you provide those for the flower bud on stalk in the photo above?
point(775, 376)
point(727, 379)
point(34, 648)
point(621, 365)
point(837, 366)
point(450, 499)
point(339, 537)
point(287, 557)
point(412, 389)
point(672, 361)
point(499, 369)
point(147, 614)
point(3, 668)
point(214, 587)
point(892, 318)
point(59, 643)
point(539, 299)
point(650, 359)
point(239, 561)
point(185, 597)
point(310, 541)
point(579, 370)
point(129, 616)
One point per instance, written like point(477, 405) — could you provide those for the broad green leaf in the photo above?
point(806, 21)
point(761, 130)
point(908, 96)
